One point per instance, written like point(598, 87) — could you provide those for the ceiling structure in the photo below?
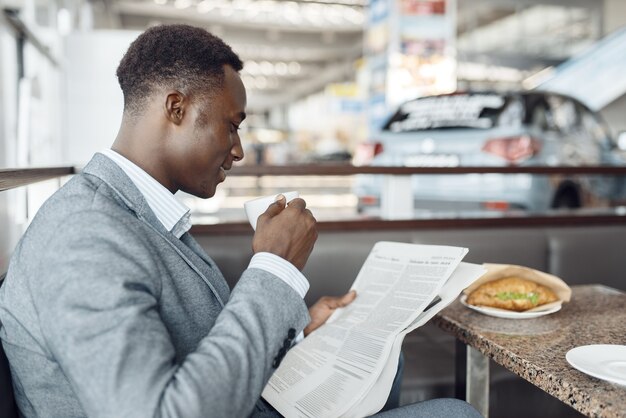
point(294, 48)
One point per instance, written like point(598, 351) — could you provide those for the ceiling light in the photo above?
point(182, 4)
point(241, 4)
point(280, 68)
point(248, 81)
point(260, 82)
point(334, 14)
point(314, 13)
point(251, 67)
point(226, 11)
point(204, 6)
point(294, 67)
point(267, 68)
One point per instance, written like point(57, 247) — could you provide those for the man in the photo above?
point(110, 308)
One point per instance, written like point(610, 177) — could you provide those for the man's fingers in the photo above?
point(342, 301)
point(348, 298)
point(310, 214)
point(297, 203)
point(276, 207)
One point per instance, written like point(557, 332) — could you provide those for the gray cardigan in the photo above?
point(107, 314)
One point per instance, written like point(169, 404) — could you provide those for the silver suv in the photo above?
point(493, 129)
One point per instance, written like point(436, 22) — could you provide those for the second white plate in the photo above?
point(604, 361)
point(502, 313)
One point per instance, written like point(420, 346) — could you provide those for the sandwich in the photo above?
point(511, 293)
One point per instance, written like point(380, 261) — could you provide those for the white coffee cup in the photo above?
point(256, 207)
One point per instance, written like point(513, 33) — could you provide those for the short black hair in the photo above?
point(173, 56)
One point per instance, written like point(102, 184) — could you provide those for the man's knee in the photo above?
point(435, 408)
point(450, 407)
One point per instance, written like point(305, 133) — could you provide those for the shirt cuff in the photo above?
point(283, 269)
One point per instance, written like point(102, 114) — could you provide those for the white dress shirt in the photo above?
point(174, 216)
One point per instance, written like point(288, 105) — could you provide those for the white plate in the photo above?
point(502, 313)
point(604, 361)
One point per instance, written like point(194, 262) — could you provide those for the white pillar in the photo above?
point(10, 229)
point(397, 198)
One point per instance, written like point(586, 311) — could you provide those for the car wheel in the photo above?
point(567, 197)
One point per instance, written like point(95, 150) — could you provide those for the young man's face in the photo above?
point(211, 138)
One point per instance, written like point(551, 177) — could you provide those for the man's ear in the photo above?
point(175, 106)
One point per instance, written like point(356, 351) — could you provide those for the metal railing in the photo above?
point(11, 178)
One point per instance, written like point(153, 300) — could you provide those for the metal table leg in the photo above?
point(477, 375)
point(472, 377)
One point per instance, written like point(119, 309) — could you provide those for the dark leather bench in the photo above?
point(577, 254)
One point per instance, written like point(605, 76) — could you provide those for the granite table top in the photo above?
point(535, 348)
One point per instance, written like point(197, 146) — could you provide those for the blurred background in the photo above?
point(525, 83)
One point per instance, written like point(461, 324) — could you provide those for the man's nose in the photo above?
point(237, 152)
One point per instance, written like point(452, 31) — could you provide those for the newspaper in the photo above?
point(346, 367)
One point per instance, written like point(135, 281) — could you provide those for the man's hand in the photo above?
point(324, 307)
point(289, 231)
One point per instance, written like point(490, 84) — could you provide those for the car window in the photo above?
point(542, 119)
point(512, 115)
point(538, 113)
point(576, 145)
point(565, 114)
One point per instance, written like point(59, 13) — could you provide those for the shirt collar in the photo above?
point(173, 214)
